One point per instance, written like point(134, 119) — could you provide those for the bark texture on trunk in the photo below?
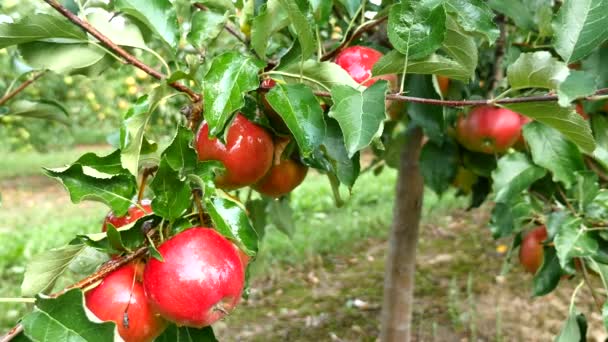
point(401, 258)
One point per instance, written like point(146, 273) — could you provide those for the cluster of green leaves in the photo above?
point(550, 182)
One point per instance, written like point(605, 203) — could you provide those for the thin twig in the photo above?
point(597, 301)
point(144, 177)
point(560, 191)
point(596, 169)
point(129, 58)
point(358, 33)
point(16, 330)
point(20, 88)
point(199, 207)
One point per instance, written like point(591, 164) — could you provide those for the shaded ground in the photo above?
point(459, 294)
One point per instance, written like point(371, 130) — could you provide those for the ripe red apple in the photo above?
point(200, 280)
point(581, 111)
point(134, 213)
point(247, 154)
point(531, 249)
point(489, 129)
point(358, 61)
point(121, 291)
point(282, 178)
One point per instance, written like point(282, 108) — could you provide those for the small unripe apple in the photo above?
point(531, 249)
point(247, 154)
point(200, 280)
point(120, 298)
point(489, 129)
point(282, 178)
point(134, 213)
point(358, 61)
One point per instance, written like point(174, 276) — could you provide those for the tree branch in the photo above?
point(129, 58)
point(358, 33)
point(499, 54)
point(20, 88)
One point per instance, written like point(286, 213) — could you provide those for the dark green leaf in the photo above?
point(298, 14)
point(416, 29)
point(257, 213)
point(586, 189)
point(438, 165)
point(552, 151)
point(301, 112)
point(565, 120)
point(185, 334)
point(44, 269)
point(572, 241)
point(281, 215)
point(39, 27)
point(85, 183)
point(272, 18)
point(474, 16)
point(129, 237)
point(507, 217)
point(549, 274)
point(230, 219)
point(64, 319)
point(429, 117)
point(361, 115)
point(230, 76)
point(171, 193)
point(179, 154)
point(346, 169)
point(580, 27)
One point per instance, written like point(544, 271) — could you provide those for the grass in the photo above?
point(51, 221)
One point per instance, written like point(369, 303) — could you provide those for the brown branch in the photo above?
point(358, 33)
point(20, 88)
point(142, 186)
point(463, 103)
point(499, 54)
point(129, 58)
point(596, 169)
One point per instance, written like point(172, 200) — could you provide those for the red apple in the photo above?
point(444, 84)
point(358, 61)
point(581, 111)
point(122, 292)
point(282, 178)
point(134, 213)
point(489, 129)
point(531, 249)
point(247, 154)
point(200, 280)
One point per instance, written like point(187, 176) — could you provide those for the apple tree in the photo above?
point(501, 99)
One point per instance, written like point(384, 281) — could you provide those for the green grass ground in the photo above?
point(325, 283)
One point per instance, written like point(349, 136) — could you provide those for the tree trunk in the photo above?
point(401, 257)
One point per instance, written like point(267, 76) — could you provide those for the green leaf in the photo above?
point(257, 214)
point(44, 269)
point(514, 174)
point(179, 154)
point(272, 18)
point(125, 238)
point(361, 115)
point(578, 84)
point(507, 217)
point(474, 16)
point(416, 29)
point(429, 117)
point(219, 5)
point(586, 189)
point(134, 125)
point(346, 169)
point(87, 261)
point(460, 63)
point(536, 70)
point(301, 112)
point(60, 58)
point(172, 194)
point(599, 123)
point(574, 329)
point(158, 15)
point(230, 76)
point(281, 214)
point(553, 152)
point(298, 14)
point(351, 6)
point(64, 319)
point(84, 183)
point(547, 277)
point(47, 110)
point(317, 75)
point(109, 164)
point(37, 27)
point(518, 10)
point(605, 314)
point(206, 26)
point(174, 333)
point(230, 219)
point(438, 165)
point(122, 32)
point(580, 27)
point(565, 120)
point(573, 241)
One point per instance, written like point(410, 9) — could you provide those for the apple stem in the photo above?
point(219, 307)
point(199, 206)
